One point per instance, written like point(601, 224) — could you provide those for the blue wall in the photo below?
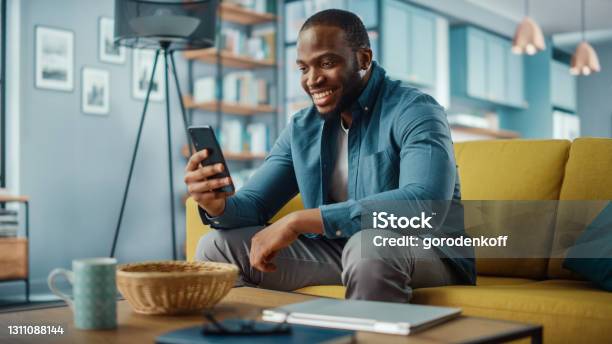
point(536, 120)
point(594, 92)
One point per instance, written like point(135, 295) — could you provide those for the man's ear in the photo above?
point(364, 58)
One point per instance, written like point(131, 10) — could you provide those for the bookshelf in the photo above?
point(234, 86)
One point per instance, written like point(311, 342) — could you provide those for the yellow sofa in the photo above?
point(526, 290)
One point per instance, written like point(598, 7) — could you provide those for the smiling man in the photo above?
point(366, 138)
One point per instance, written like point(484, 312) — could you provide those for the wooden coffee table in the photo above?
point(136, 328)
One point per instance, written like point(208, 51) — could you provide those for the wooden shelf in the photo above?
point(228, 108)
point(11, 198)
point(228, 155)
point(498, 134)
point(228, 59)
point(244, 156)
point(240, 15)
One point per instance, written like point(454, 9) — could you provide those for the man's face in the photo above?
point(330, 70)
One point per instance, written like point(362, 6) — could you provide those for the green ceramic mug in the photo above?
point(94, 300)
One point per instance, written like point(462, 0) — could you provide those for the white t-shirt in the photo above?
point(339, 178)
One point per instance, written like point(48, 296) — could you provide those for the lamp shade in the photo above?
point(585, 60)
point(179, 24)
point(528, 38)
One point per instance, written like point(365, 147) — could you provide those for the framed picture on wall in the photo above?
point(142, 67)
point(54, 59)
point(107, 49)
point(95, 97)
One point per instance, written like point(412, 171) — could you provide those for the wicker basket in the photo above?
point(174, 287)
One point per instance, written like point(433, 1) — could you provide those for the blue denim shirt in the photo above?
point(399, 148)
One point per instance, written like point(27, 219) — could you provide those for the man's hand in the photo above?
point(201, 185)
point(266, 243)
point(280, 234)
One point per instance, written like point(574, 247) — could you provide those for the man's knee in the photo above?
point(211, 246)
point(370, 276)
point(228, 246)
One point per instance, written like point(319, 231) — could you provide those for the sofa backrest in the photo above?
point(588, 176)
point(511, 170)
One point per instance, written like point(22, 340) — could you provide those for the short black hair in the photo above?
point(354, 30)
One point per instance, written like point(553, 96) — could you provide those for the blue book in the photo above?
point(298, 334)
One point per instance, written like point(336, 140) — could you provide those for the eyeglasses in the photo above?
point(241, 327)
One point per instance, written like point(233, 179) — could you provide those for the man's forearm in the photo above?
point(307, 221)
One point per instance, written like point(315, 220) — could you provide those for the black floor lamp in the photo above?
point(166, 26)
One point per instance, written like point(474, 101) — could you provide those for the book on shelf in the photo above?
point(264, 44)
point(9, 223)
point(231, 136)
point(238, 87)
point(233, 40)
point(259, 46)
point(205, 90)
point(9, 232)
point(258, 138)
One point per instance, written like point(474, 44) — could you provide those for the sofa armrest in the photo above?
point(196, 229)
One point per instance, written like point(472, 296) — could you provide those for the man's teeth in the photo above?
point(320, 95)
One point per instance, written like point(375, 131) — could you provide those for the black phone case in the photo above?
point(203, 137)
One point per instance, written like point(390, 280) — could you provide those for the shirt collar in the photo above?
point(367, 99)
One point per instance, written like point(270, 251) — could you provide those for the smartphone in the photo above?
point(203, 137)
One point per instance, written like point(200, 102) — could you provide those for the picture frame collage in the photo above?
point(55, 67)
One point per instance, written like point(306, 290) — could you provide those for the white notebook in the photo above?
point(372, 316)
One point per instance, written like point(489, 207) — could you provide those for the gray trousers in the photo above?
point(377, 275)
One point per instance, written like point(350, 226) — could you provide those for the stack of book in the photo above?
point(238, 87)
point(236, 138)
point(9, 223)
point(231, 136)
point(245, 88)
point(260, 46)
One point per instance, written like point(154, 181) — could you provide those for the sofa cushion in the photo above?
point(338, 291)
point(588, 176)
point(570, 311)
point(511, 170)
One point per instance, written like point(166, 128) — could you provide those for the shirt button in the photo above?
point(366, 108)
point(216, 222)
point(338, 233)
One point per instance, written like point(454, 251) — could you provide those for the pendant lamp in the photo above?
point(585, 60)
point(528, 37)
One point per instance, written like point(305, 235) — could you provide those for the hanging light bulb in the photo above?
point(528, 37)
point(584, 60)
